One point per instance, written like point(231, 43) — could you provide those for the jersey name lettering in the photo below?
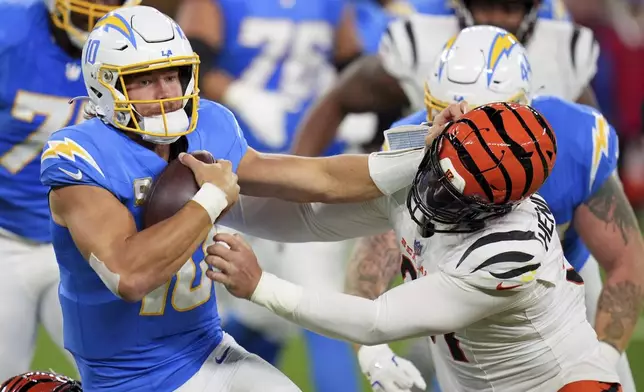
point(546, 222)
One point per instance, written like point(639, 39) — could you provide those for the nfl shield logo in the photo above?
point(418, 248)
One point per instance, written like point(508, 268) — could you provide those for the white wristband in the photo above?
point(277, 295)
point(392, 171)
point(212, 199)
point(609, 352)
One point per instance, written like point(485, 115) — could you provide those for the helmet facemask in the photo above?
point(436, 203)
point(78, 17)
point(435, 105)
point(164, 127)
point(530, 9)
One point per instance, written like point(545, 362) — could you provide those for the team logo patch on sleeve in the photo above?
point(68, 149)
point(601, 135)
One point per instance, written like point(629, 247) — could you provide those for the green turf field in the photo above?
point(294, 362)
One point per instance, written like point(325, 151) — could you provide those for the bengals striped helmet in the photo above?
point(40, 382)
point(481, 166)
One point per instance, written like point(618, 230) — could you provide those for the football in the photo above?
point(174, 187)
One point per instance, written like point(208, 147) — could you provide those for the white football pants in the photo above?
point(230, 368)
point(29, 289)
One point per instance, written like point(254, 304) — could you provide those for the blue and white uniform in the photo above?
point(37, 81)
point(173, 337)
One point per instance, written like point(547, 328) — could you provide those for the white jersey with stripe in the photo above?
point(563, 55)
point(503, 306)
point(541, 340)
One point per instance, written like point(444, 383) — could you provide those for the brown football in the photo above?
point(174, 187)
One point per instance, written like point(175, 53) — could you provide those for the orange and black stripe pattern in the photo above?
point(592, 386)
point(40, 382)
point(504, 152)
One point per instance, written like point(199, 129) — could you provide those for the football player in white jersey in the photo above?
point(485, 273)
point(589, 206)
point(563, 56)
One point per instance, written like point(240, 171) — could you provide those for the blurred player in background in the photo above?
point(372, 18)
point(40, 57)
point(563, 55)
point(267, 60)
point(583, 190)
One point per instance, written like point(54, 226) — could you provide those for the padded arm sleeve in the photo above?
point(283, 221)
point(433, 305)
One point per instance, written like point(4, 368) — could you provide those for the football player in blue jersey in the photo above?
point(139, 311)
point(40, 47)
point(267, 61)
point(595, 221)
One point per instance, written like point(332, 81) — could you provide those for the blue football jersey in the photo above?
point(36, 83)
point(159, 343)
point(587, 152)
point(281, 46)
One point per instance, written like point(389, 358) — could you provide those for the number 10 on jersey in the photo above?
point(187, 293)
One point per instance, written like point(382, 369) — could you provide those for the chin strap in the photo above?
point(79, 98)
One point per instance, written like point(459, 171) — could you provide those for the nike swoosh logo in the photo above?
point(223, 356)
point(76, 176)
point(500, 287)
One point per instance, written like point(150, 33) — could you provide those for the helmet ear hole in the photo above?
point(185, 76)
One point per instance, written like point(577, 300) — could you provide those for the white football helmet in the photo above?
point(132, 41)
point(78, 17)
point(480, 65)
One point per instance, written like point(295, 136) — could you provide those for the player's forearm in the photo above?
point(333, 314)
point(283, 221)
point(348, 179)
point(338, 179)
point(402, 312)
point(151, 257)
point(620, 302)
point(345, 178)
point(373, 265)
point(319, 127)
point(607, 224)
